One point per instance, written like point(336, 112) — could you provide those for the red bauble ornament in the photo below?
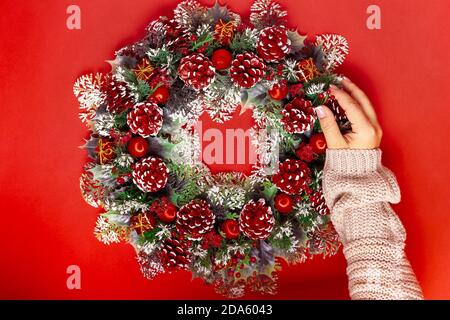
point(221, 59)
point(143, 222)
point(318, 143)
point(284, 203)
point(161, 95)
point(279, 91)
point(138, 147)
point(230, 228)
point(164, 209)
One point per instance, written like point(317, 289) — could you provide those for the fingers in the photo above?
point(330, 128)
point(352, 109)
point(361, 98)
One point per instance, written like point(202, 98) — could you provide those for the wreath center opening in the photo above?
point(227, 147)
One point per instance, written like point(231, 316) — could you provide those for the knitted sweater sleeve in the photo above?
point(358, 190)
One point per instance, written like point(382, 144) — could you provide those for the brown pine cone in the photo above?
point(256, 220)
point(247, 69)
point(292, 177)
point(273, 44)
point(298, 116)
point(145, 119)
point(195, 219)
point(197, 71)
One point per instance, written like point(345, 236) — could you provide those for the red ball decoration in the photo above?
point(138, 147)
point(164, 209)
point(318, 143)
point(230, 228)
point(284, 203)
point(221, 59)
point(160, 95)
point(279, 91)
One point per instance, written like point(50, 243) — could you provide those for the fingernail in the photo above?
point(333, 87)
point(320, 111)
point(346, 78)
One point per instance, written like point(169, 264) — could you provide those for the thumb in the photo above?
point(330, 128)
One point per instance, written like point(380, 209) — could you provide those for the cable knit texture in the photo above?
point(358, 190)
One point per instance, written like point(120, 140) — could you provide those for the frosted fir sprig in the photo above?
point(107, 232)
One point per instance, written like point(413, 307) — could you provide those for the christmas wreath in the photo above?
point(144, 171)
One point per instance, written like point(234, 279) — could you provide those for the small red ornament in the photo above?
point(231, 229)
point(284, 203)
point(164, 209)
point(169, 213)
point(161, 95)
point(143, 222)
point(138, 147)
point(221, 59)
point(318, 143)
point(279, 91)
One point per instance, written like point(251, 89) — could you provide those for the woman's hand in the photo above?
point(366, 132)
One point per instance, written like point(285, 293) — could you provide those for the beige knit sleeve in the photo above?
point(358, 190)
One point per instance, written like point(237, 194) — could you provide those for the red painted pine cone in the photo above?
point(273, 44)
point(292, 177)
point(196, 70)
point(195, 219)
point(150, 174)
point(338, 112)
point(145, 119)
point(247, 69)
point(318, 202)
point(175, 253)
point(256, 220)
point(118, 96)
point(298, 116)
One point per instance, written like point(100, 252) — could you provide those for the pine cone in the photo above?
point(175, 253)
point(195, 219)
point(298, 116)
point(118, 96)
point(196, 70)
point(273, 44)
point(150, 265)
point(338, 112)
point(247, 69)
point(145, 119)
point(318, 202)
point(256, 220)
point(292, 177)
point(150, 174)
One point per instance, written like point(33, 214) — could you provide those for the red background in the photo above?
point(46, 226)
